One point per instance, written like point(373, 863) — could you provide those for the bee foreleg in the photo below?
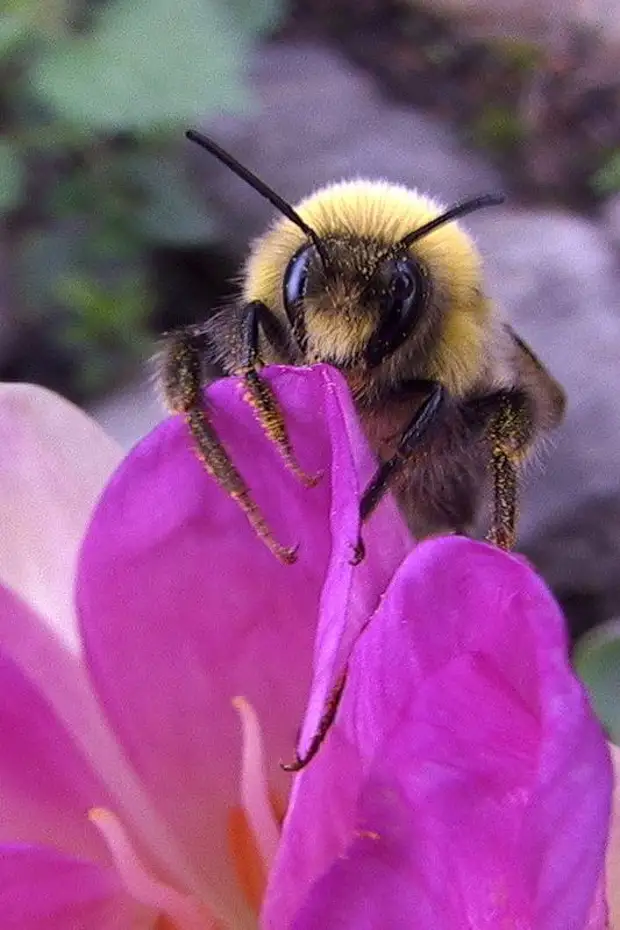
point(182, 383)
point(426, 416)
point(258, 392)
point(509, 432)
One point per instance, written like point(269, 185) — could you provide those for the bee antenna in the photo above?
point(260, 187)
point(459, 209)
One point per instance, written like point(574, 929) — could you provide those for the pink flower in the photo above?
point(468, 780)
point(464, 784)
point(613, 847)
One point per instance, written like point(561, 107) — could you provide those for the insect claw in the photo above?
point(324, 725)
point(359, 552)
point(308, 481)
point(296, 765)
point(286, 554)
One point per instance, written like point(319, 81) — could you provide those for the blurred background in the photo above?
point(114, 229)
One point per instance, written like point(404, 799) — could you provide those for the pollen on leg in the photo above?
point(259, 394)
point(176, 911)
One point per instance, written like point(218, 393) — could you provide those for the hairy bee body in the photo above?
point(382, 283)
point(460, 340)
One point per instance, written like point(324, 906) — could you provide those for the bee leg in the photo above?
point(327, 718)
point(509, 432)
point(259, 394)
point(425, 417)
point(182, 381)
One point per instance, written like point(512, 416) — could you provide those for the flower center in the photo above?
point(253, 837)
point(178, 911)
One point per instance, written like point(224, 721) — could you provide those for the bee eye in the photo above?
point(296, 279)
point(404, 296)
point(402, 289)
point(294, 287)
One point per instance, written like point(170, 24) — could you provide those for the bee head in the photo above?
point(371, 276)
point(397, 284)
point(357, 303)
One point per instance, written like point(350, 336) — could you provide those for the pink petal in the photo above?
point(46, 662)
point(613, 850)
point(351, 593)
point(183, 608)
point(598, 917)
point(43, 890)
point(477, 779)
point(392, 877)
point(55, 461)
point(58, 680)
point(46, 785)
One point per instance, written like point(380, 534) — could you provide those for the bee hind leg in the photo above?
point(259, 393)
point(182, 385)
point(509, 431)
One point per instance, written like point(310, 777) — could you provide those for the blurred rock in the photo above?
point(131, 412)
point(322, 120)
point(536, 85)
point(558, 278)
point(535, 18)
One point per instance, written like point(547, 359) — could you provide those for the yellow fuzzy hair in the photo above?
point(386, 213)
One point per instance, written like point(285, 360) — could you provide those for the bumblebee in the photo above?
point(384, 284)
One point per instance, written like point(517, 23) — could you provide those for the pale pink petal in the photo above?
point(53, 465)
point(46, 784)
point(43, 890)
point(598, 918)
point(183, 608)
point(59, 680)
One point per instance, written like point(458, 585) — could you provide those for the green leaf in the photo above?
point(112, 312)
point(13, 29)
point(499, 128)
point(149, 64)
point(171, 211)
point(257, 16)
point(597, 661)
point(43, 258)
point(71, 248)
point(130, 197)
point(11, 176)
point(106, 325)
point(607, 179)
